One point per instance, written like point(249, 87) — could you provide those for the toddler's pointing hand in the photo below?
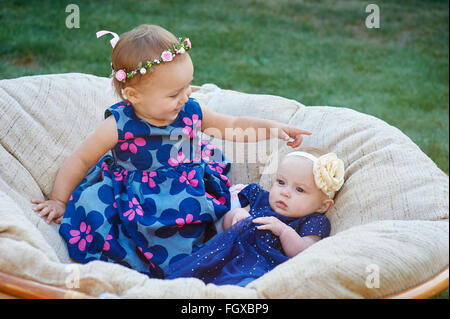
point(293, 135)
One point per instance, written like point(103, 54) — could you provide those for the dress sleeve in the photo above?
point(249, 194)
point(112, 110)
point(318, 224)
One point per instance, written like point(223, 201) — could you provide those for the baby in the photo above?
point(272, 226)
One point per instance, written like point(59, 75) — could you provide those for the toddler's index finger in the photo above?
point(36, 201)
point(305, 132)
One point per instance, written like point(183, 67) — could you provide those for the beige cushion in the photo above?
point(391, 214)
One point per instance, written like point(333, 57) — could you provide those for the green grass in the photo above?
point(316, 52)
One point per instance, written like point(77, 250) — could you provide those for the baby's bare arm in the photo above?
point(235, 215)
point(293, 243)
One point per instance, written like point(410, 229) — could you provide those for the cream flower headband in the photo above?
point(328, 171)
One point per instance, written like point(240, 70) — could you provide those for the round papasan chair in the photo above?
point(390, 227)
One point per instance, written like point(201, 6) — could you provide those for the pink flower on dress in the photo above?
point(147, 178)
point(189, 178)
point(189, 219)
point(78, 234)
point(148, 255)
point(106, 245)
point(207, 150)
point(121, 106)
point(166, 56)
point(218, 167)
point(221, 201)
point(132, 146)
point(180, 159)
point(120, 176)
point(192, 125)
point(206, 153)
point(131, 212)
point(120, 75)
point(104, 167)
point(226, 180)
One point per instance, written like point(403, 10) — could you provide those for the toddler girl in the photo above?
point(148, 203)
point(272, 226)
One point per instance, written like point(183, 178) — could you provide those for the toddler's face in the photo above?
point(294, 193)
point(162, 93)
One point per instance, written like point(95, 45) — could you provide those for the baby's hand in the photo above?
point(240, 214)
point(292, 134)
point(271, 223)
point(53, 208)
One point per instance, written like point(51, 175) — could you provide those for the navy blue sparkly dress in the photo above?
point(243, 253)
point(152, 201)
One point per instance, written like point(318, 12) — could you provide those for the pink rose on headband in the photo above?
point(121, 75)
point(166, 56)
point(188, 42)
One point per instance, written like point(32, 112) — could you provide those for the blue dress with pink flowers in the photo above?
point(154, 200)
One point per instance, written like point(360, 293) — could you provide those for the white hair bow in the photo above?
point(113, 41)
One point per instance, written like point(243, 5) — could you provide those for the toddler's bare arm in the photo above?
point(74, 169)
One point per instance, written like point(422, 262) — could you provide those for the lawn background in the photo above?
point(316, 52)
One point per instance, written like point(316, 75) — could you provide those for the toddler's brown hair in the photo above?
point(143, 43)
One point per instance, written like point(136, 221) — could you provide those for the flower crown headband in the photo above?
point(328, 171)
point(166, 56)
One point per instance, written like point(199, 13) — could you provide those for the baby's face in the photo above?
point(294, 193)
point(163, 92)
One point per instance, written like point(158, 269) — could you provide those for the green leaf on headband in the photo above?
point(140, 64)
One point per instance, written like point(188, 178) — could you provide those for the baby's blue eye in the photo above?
point(299, 189)
point(280, 182)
